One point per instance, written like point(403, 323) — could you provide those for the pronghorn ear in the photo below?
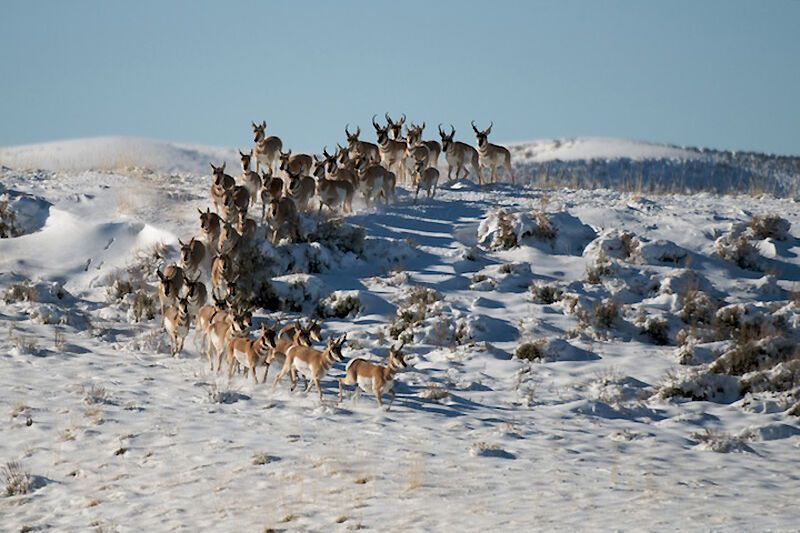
point(212, 166)
point(200, 211)
point(181, 243)
point(223, 166)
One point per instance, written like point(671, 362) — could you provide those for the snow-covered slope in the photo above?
point(115, 153)
point(624, 303)
point(588, 148)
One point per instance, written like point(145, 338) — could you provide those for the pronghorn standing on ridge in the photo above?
point(492, 155)
point(356, 147)
point(458, 155)
point(267, 149)
point(250, 178)
point(393, 152)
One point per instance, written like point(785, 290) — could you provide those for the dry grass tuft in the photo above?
point(16, 481)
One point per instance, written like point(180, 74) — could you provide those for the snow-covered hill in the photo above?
point(576, 162)
point(579, 359)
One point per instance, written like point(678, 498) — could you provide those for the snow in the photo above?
point(587, 148)
point(122, 436)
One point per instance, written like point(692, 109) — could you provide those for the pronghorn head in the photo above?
point(318, 169)
point(186, 249)
point(335, 347)
point(414, 133)
point(284, 157)
point(352, 138)
point(245, 160)
point(219, 174)
point(183, 306)
point(381, 131)
point(168, 284)
point(313, 330)
point(220, 304)
point(396, 128)
point(482, 136)
point(192, 286)
point(342, 155)
point(209, 221)
point(268, 335)
point(259, 131)
point(447, 138)
point(330, 161)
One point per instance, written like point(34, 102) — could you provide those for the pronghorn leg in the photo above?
point(391, 400)
point(253, 370)
point(508, 169)
point(315, 381)
point(266, 371)
point(341, 389)
point(377, 391)
point(356, 393)
point(283, 371)
point(293, 377)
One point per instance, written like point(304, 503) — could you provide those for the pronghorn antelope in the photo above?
point(196, 294)
point(267, 149)
point(414, 136)
point(458, 155)
point(250, 178)
point(331, 192)
point(395, 128)
point(301, 190)
point(221, 184)
point(297, 164)
point(393, 152)
point(337, 171)
point(313, 330)
point(361, 148)
point(492, 155)
point(222, 271)
point(370, 377)
point(311, 363)
point(247, 227)
point(210, 226)
point(220, 332)
point(229, 240)
point(170, 284)
point(372, 180)
point(282, 215)
point(207, 315)
point(271, 190)
point(176, 322)
point(426, 178)
point(241, 200)
point(251, 353)
point(417, 154)
point(193, 253)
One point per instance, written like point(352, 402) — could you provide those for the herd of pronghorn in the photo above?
point(285, 188)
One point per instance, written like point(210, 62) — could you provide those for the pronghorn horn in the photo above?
point(264, 124)
point(325, 152)
point(422, 127)
point(475, 128)
point(388, 118)
point(346, 130)
point(358, 131)
point(402, 118)
point(489, 129)
point(252, 123)
point(241, 154)
point(440, 130)
point(452, 130)
point(374, 123)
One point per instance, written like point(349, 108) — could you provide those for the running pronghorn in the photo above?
point(311, 363)
point(492, 155)
point(297, 164)
point(332, 193)
point(176, 321)
point(207, 315)
point(374, 378)
point(246, 226)
point(458, 155)
point(361, 148)
point(220, 185)
point(170, 284)
point(210, 224)
point(196, 294)
point(220, 332)
point(426, 178)
point(313, 330)
point(193, 253)
point(301, 189)
point(250, 178)
point(251, 353)
point(293, 335)
point(372, 180)
point(230, 240)
point(272, 189)
point(282, 216)
point(339, 171)
point(222, 272)
point(267, 149)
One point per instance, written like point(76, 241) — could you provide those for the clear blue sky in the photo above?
point(723, 74)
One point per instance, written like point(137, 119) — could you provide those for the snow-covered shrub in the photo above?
point(697, 307)
point(142, 305)
point(416, 307)
point(604, 314)
point(8, 221)
point(769, 227)
point(736, 248)
point(531, 351)
point(543, 293)
point(656, 328)
point(754, 354)
point(297, 292)
point(721, 442)
point(339, 235)
point(659, 252)
point(612, 243)
point(22, 291)
point(600, 268)
point(783, 377)
point(699, 385)
point(339, 304)
point(501, 230)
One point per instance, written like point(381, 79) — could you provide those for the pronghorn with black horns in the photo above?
point(193, 254)
point(171, 282)
point(267, 149)
point(296, 164)
point(414, 136)
point(492, 155)
point(395, 128)
point(393, 152)
point(458, 155)
point(196, 294)
point(371, 377)
point(251, 353)
point(361, 148)
point(333, 193)
point(311, 363)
